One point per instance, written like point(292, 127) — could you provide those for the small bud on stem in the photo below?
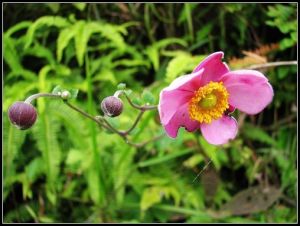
point(22, 115)
point(112, 106)
point(65, 95)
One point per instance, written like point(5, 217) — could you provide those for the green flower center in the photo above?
point(209, 101)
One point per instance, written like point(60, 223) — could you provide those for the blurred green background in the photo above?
point(66, 169)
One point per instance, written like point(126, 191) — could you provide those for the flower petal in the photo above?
point(190, 82)
point(214, 68)
point(170, 102)
point(181, 118)
point(249, 90)
point(220, 131)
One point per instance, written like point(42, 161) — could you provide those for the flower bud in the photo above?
point(65, 95)
point(112, 106)
point(22, 115)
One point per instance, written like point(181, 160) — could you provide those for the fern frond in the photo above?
point(13, 139)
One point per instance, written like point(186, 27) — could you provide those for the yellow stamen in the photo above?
point(209, 102)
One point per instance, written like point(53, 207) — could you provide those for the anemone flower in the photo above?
point(205, 98)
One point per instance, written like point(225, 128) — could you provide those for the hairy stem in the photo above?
point(102, 121)
point(272, 64)
point(135, 123)
point(35, 96)
point(144, 108)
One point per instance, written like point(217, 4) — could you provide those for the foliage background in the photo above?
point(66, 169)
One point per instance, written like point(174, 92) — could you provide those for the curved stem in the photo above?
point(111, 127)
point(101, 121)
point(144, 108)
point(272, 64)
point(135, 123)
point(83, 113)
point(35, 96)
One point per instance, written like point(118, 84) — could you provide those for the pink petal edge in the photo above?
point(180, 119)
point(220, 131)
point(249, 90)
point(213, 67)
point(189, 83)
point(170, 102)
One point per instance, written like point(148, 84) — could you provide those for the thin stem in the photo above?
point(101, 121)
point(144, 108)
point(35, 96)
point(135, 123)
point(111, 127)
point(272, 64)
point(83, 113)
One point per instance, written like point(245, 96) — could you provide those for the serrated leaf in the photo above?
point(148, 97)
point(40, 51)
point(150, 197)
point(12, 142)
point(137, 101)
point(85, 30)
point(57, 90)
point(17, 27)
point(74, 93)
point(63, 40)
point(10, 54)
point(56, 21)
point(34, 169)
point(121, 86)
point(153, 51)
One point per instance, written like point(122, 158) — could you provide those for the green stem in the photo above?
point(35, 96)
point(143, 108)
point(135, 123)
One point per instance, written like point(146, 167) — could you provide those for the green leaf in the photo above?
point(34, 169)
point(74, 93)
point(258, 134)
point(53, 6)
point(153, 51)
point(121, 86)
point(80, 6)
point(94, 185)
point(13, 139)
point(105, 75)
point(49, 21)
point(85, 30)
point(193, 161)
point(11, 56)
point(150, 197)
point(57, 90)
point(46, 132)
point(17, 27)
point(42, 52)
point(63, 40)
point(181, 64)
point(148, 97)
point(153, 54)
point(162, 159)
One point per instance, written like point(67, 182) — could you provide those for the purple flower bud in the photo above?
point(112, 106)
point(22, 115)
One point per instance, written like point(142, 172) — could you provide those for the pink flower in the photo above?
point(204, 99)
